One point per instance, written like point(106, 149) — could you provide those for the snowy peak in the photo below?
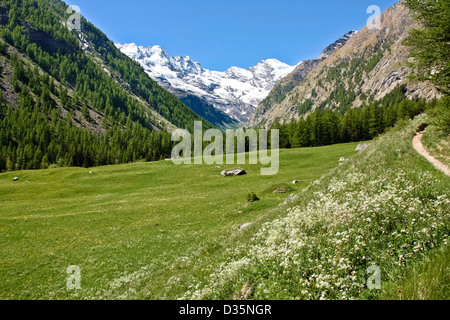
point(274, 64)
point(185, 63)
point(271, 68)
point(236, 92)
point(130, 50)
point(156, 56)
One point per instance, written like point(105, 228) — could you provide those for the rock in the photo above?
point(245, 225)
point(279, 191)
point(343, 159)
point(295, 181)
point(15, 178)
point(362, 147)
point(239, 212)
point(90, 172)
point(290, 199)
point(233, 173)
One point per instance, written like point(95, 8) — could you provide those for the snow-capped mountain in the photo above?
point(236, 92)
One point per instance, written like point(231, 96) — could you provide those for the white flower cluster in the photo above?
point(322, 250)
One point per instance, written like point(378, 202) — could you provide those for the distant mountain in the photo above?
point(234, 93)
point(362, 67)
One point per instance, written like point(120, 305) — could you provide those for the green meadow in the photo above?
point(387, 209)
point(137, 231)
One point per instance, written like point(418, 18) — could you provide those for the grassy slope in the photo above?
point(438, 144)
point(426, 280)
point(387, 207)
point(144, 230)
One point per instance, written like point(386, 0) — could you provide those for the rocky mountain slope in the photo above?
point(289, 82)
point(367, 67)
point(235, 93)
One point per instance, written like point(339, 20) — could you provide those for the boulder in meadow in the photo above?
point(233, 173)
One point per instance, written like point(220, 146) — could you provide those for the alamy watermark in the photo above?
point(374, 21)
point(239, 140)
point(74, 21)
point(374, 281)
point(74, 279)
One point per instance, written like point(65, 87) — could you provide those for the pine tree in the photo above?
point(44, 162)
point(430, 44)
point(9, 165)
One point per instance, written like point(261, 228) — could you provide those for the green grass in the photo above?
point(387, 207)
point(137, 231)
point(427, 280)
point(437, 144)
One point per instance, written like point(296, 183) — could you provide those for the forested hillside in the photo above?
point(71, 98)
point(325, 127)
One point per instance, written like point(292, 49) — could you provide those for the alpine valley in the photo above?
point(94, 205)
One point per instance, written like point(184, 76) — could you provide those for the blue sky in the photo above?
point(221, 34)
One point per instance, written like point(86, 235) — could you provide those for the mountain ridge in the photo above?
point(278, 93)
point(369, 66)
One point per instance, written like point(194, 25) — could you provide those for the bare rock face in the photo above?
point(361, 147)
point(233, 173)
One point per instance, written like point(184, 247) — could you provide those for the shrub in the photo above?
point(252, 197)
point(440, 112)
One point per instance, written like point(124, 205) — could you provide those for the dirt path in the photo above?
point(417, 144)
